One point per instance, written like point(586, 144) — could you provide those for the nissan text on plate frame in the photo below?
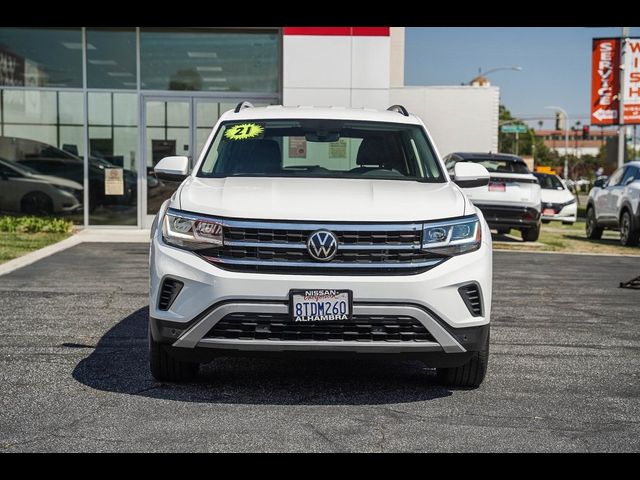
point(360, 243)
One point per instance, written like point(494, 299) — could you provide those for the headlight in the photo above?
point(452, 237)
point(191, 233)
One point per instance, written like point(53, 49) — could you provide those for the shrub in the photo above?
point(34, 224)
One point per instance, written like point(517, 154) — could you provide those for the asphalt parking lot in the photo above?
point(563, 375)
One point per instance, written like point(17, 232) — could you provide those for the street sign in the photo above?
point(605, 81)
point(631, 82)
point(513, 129)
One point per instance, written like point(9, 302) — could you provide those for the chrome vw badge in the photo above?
point(322, 245)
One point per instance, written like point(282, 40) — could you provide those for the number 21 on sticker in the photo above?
point(244, 131)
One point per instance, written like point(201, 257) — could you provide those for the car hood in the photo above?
point(59, 181)
point(555, 196)
point(321, 199)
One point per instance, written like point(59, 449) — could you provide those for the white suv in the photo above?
point(315, 231)
point(614, 203)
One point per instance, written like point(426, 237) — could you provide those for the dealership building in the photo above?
point(85, 113)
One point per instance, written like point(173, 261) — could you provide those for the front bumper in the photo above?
point(498, 216)
point(209, 294)
point(568, 213)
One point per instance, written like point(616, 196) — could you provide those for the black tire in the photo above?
point(469, 375)
point(503, 230)
point(36, 203)
point(593, 231)
point(546, 221)
point(531, 234)
point(629, 236)
point(165, 368)
point(568, 223)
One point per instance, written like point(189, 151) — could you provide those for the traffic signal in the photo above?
point(585, 132)
point(558, 121)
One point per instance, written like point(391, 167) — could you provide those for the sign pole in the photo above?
point(621, 128)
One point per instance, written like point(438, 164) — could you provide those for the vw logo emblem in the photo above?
point(322, 245)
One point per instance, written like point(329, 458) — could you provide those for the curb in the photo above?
point(36, 255)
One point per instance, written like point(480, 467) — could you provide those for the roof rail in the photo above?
point(242, 105)
point(399, 109)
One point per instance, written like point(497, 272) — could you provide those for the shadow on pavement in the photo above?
point(119, 363)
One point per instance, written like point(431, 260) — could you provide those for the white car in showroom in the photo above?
point(320, 231)
point(511, 200)
point(558, 203)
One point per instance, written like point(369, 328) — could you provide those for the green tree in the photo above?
point(528, 143)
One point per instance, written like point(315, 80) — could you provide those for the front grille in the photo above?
point(281, 247)
point(362, 328)
point(168, 293)
point(471, 296)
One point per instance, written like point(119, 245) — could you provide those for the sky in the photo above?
point(555, 61)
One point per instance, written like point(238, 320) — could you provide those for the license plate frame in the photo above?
point(311, 319)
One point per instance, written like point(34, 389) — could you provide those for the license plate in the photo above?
point(320, 305)
point(497, 187)
point(548, 211)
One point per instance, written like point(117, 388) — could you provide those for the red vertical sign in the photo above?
point(605, 81)
point(631, 83)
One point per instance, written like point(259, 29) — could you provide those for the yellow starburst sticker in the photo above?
point(244, 131)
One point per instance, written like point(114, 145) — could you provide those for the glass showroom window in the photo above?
point(41, 57)
point(41, 148)
point(213, 61)
point(111, 58)
point(113, 146)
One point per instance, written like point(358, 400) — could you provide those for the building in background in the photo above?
point(101, 106)
point(578, 144)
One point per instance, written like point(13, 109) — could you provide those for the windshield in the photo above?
point(501, 166)
point(322, 148)
point(549, 182)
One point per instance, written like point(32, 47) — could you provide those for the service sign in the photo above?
point(605, 81)
point(631, 82)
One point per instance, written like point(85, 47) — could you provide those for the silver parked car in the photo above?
point(614, 203)
point(25, 190)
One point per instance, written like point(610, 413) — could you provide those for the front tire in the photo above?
point(593, 231)
point(469, 375)
point(628, 236)
point(165, 368)
point(37, 203)
point(531, 234)
point(503, 230)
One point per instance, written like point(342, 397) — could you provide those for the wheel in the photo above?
point(593, 231)
point(628, 236)
point(36, 203)
point(503, 230)
point(165, 368)
point(546, 221)
point(531, 234)
point(568, 223)
point(469, 375)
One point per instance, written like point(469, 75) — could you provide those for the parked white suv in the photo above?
point(512, 198)
point(315, 231)
point(615, 203)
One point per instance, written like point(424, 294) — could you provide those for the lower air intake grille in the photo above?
point(362, 328)
point(168, 293)
point(471, 296)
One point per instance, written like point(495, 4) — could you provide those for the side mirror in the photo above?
point(173, 169)
point(469, 175)
point(600, 182)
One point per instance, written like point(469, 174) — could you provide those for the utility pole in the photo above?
point(621, 127)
